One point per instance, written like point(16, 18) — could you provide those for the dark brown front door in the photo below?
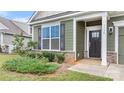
point(95, 43)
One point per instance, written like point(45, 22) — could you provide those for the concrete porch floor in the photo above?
point(93, 67)
point(89, 61)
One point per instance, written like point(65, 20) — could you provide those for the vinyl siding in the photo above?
point(121, 45)
point(8, 40)
point(111, 38)
point(36, 35)
point(68, 34)
point(80, 40)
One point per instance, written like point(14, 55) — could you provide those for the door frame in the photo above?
point(88, 29)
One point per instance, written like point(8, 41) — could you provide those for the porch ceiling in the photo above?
point(115, 13)
point(90, 19)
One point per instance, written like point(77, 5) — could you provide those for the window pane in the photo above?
point(46, 32)
point(46, 44)
point(98, 34)
point(55, 44)
point(93, 34)
point(55, 31)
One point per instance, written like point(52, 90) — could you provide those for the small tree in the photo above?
point(31, 44)
point(18, 43)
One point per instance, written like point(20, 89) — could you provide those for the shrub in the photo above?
point(60, 57)
point(0, 49)
point(49, 55)
point(31, 44)
point(29, 65)
point(22, 52)
point(18, 43)
point(34, 55)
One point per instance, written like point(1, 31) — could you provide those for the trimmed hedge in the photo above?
point(60, 57)
point(51, 56)
point(29, 65)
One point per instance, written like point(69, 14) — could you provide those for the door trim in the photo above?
point(92, 28)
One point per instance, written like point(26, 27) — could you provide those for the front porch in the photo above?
point(89, 61)
point(76, 37)
point(90, 37)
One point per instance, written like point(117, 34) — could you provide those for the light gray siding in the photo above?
point(8, 40)
point(36, 36)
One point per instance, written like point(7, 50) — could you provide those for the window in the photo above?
point(46, 32)
point(51, 37)
point(95, 34)
point(46, 37)
point(55, 31)
point(55, 37)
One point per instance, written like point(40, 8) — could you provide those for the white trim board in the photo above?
point(117, 24)
point(74, 37)
point(91, 28)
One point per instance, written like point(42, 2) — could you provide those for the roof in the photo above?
point(12, 27)
point(22, 25)
point(53, 15)
point(38, 16)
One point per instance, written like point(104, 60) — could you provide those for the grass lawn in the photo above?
point(69, 75)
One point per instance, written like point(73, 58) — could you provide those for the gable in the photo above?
point(42, 14)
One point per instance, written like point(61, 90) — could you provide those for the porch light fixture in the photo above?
point(110, 30)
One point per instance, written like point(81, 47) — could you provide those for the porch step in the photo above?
point(89, 61)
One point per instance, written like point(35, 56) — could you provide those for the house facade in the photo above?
point(80, 34)
point(8, 29)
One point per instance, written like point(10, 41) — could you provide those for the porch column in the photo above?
point(104, 39)
point(1, 38)
point(74, 36)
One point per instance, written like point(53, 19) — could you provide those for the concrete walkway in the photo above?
point(113, 70)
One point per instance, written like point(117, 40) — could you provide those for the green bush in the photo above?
point(29, 65)
point(34, 55)
point(0, 49)
point(60, 57)
point(49, 55)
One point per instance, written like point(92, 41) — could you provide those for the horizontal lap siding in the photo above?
point(111, 38)
point(80, 40)
point(8, 40)
point(68, 34)
point(36, 36)
point(121, 45)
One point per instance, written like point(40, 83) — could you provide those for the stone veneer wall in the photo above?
point(111, 57)
point(70, 57)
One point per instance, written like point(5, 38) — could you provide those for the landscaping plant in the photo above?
point(49, 55)
point(60, 57)
point(30, 65)
point(18, 43)
point(31, 44)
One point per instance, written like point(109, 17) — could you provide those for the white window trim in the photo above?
point(117, 24)
point(50, 38)
point(91, 28)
